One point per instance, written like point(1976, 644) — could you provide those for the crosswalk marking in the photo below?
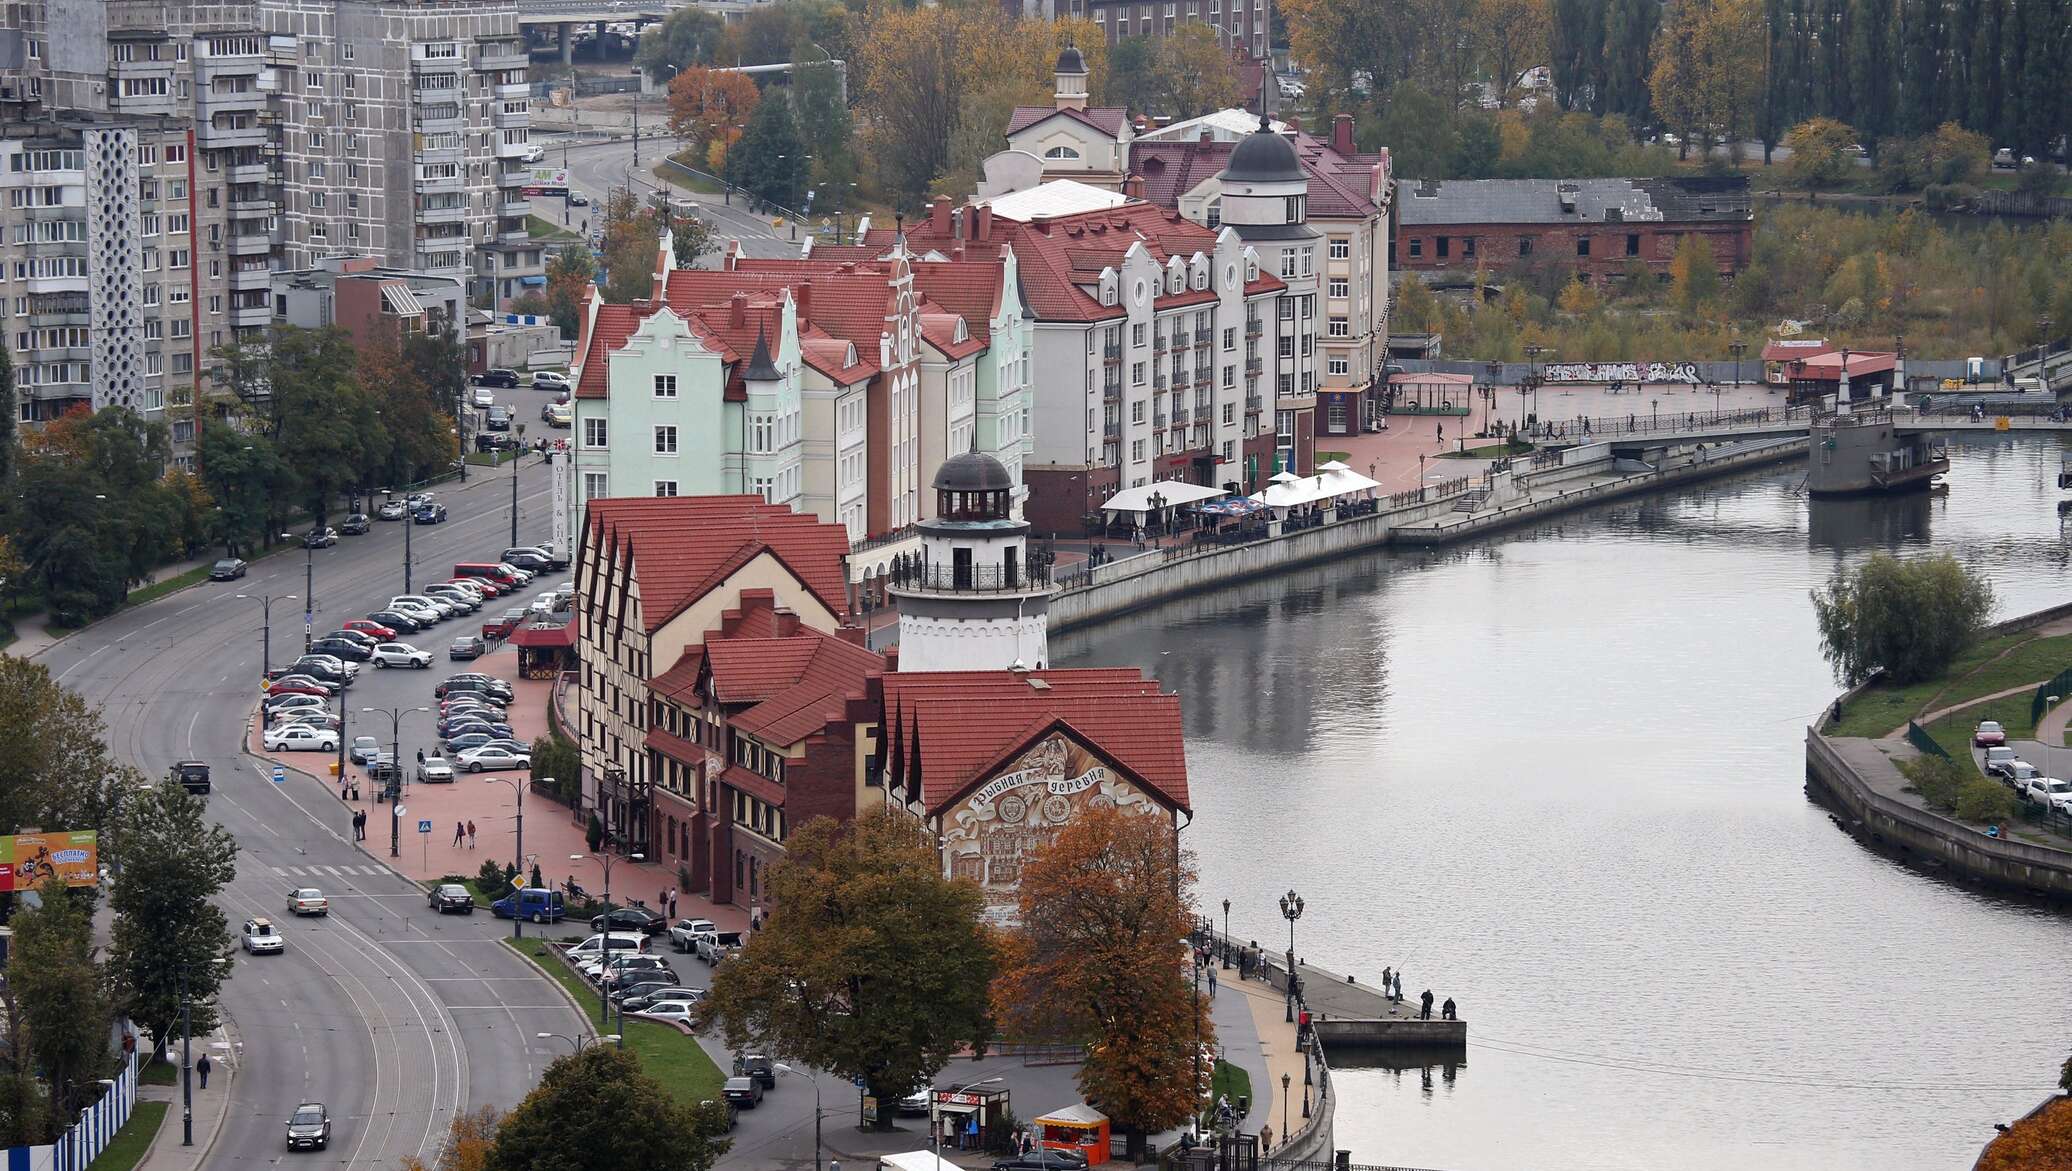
point(281, 870)
point(313, 871)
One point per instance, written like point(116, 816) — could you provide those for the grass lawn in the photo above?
point(159, 1073)
point(697, 183)
point(130, 1143)
point(541, 228)
point(1228, 1081)
point(1487, 451)
point(492, 459)
point(1978, 671)
point(668, 1056)
point(166, 585)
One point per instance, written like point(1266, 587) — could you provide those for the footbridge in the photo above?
point(1657, 429)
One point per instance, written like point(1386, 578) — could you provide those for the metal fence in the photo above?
point(95, 1128)
point(1919, 738)
point(2049, 690)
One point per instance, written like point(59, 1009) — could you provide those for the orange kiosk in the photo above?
point(1079, 1128)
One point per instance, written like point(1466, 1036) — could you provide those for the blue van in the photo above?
point(535, 903)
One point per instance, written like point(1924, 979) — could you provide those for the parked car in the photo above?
point(501, 627)
point(301, 685)
point(308, 718)
point(758, 1066)
point(487, 685)
point(492, 758)
point(363, 749)
point(467, 646)
point(715, 946)
point(392, 510)
point(531, 560)
point(557, 415)
point(300, 738)
point(1042, 1159)
point(356, 525)
point(630, 919)
point(349, 649)
point(549, 380)
point(228, 569)
point(431, 514)
point(639, 996)
point(435, 771)
point(683, 934)
point(401, 654)
point(624, 969)
point(1988, 734)
point(507, 379)
point(668, 1010)
point(2004, 766)
point(395, 622)
point(308, 900)
point(487, 441)
point(2049, 793)
point(372, 629)
point(588, 949)
point(467, 603)
point(309, 1126)
point(2019, 776)
point(745, 1093)
point(451, 896)
point(279, 707)
point(260, 938)
point(321, 537)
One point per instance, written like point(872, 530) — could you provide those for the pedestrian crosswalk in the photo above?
point(330, 871)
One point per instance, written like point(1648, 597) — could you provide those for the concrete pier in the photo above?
point(1348, 1014)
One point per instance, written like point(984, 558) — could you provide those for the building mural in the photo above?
point(988, 834)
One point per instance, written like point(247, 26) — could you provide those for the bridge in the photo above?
point(1656, 429)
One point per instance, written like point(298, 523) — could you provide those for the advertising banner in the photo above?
point(543, 176)
point(27, 860)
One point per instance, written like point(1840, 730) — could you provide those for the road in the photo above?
point(597, 167)
point(392, 1015)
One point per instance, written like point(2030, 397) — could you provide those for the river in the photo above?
point(1558, 775)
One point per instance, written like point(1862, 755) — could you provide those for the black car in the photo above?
point(497, 440)
point(495, 689)
point(528, 560)
point(743, 1092)
point(631, 919)
point(452, 896)
point(398, 622)
point(498, 419)
point(320, 538)
point(758, 1066)
point(469, 647)
point(193, 775)
point(1043, 1159)
point(431, 514)
point(358, 524)
point(343, 648)
point(228, 569)
point(309, 1126)
point(507, 379)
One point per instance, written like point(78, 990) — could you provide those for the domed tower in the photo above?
point(1265, 200)
point(1264, 186)
point(1071, 74)
point(971, 600)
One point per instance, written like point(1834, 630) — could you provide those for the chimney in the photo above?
point(737, 309)
point(891, 654)
point(786, 620)
point(1207, 135)
point(985, 223)
point(957, 252)
point(803, 296)
point(1342, 134)
point(1133, 187)
point(939, 215)
point(1294, 126)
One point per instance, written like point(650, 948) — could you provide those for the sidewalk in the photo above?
point(211, 1108)
point(32, 633)
point(1275, 1038)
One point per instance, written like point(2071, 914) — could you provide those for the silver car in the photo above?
point(493, 757)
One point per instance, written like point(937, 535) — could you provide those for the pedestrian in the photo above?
point(1028, 1142)
point(420, 758)
point(203, 1067)
point(1386, 976)
point(471, 833)
point(1427, 1013)
point(1266, 1137)
point(1212, 981)
point(755, 917)
point(460, 832)
point(672, 904)
point(129, 1042)
point(1441, 429)
point(363, 825)
point(1446, 1010)
point(662, 899)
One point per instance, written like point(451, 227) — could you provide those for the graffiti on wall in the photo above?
point(1622, 372)
point(990, 833)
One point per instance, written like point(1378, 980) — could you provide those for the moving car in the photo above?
point(549, 380)
point(498, 419)
point(322, 537)
point(630, 919)
point(363, 749)
point(557, 415)
point(431, 514)
point(393, 510)
point(308, 900)
point(744, 1092)
point(358, 524)
point(435, 771)
point(507, 379)
point(191, 775)
point(451, 896)
point(260, 938)
point(300, 738)
point(401, 654)
point(1988, 734)
point(228, 569)
point(467, 646)
point(758, 1066)
point(1042, 1159)
point(309, 1126)
point(490, 758)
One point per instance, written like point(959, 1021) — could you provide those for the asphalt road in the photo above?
point(595, 168)
point(392, 1015)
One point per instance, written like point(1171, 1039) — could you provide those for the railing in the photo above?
point(1600, 427)
point(1203, 337)
point(1158, 342)
point(1158, 381)
point(1919, 738)
point(1111, 351)
point(1254, 328)
point(970, 579)
point(2055, 686)
point(1111, 429)
point(868, 543)
point(1254, 404)
point(1254, 365)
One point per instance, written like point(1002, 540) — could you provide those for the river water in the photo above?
point(1558, 775)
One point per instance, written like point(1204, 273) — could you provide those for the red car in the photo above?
point(368, 626)
point(1989, 734)
point(289, 687)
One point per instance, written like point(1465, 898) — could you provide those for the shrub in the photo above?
point(1986, 801)
point(1936, 778)
point(493, 878)
point(1820, 152)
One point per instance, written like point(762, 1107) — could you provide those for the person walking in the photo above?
point(1212, 981)
point(1427, 1013)
point(203, 1067)
point(420, 758)
point(460, 832)
point(471, 833)
point(1446, 1010)
point(672, 904)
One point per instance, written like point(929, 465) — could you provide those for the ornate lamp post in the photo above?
point(1226, 935)
point(1286, 1129)
point(1291, 910)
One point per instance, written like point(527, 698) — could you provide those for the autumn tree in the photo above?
point(1097, 959)
point(711, 105)
point(1820, 152)
point(468, 1143)
point(1693, 275)
point(1196, 73)
point(631, 246)
point(1675, 80)
point(7, 414)
point(1512, 34)
point(873, 965)
point(57, 770)
point(1729, 46)
point(570, 275)
point(910, 91)
point(1352, 44)
point(599, 1108)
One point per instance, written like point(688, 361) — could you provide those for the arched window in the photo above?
point(1061, 152)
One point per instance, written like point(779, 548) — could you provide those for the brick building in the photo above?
point(1599, 226)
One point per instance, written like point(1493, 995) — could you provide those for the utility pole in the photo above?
point(515, 458)
point(186, 1067)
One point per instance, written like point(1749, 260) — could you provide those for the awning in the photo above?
point(1232, 506)
point(532, 280)
point(1077, 1114)
point(1311, 490)
point(1173, 491)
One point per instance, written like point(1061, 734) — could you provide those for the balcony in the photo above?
point(249, 173)
point(437, 117)
point(1158, 343)
point(454, 183)
point(512, 150)
point(248, 279)
point(1203, 337)
point(518, 207)
point(243, 316)
point(514, 236)
point(505, 120)
point(502, 55)
point(971, 578)
point(254, 204)
point(512, 91)
point(1254, 327)
point(1111, 352)
point(1112, 391)
point(1253, 366)
point(1204, 377)
point(514, 177)
point(220, 136)
point(1111, 430)
point(210, 102)
point(1158, 381)
point(251, 245)
point(1158, 419)
point(1254, 404)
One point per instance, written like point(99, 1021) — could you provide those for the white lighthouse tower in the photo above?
point(970, 600)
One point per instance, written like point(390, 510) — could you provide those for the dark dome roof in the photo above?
point(973, 471)
point(1264, 157)
point(1069, 61)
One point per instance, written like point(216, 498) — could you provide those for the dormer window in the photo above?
point(961, 333)
point(849, 356)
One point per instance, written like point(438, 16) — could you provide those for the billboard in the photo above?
point(540, 176)
point(26, 860)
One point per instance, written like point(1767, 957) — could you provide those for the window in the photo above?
point(1417, 246)
point(1137, 334)
point(1341, 248)
point(1137, 411)
point(1582, 245)
point(1340, 366)
point(1339, 287)
point(1445, 247)
point(595, 434)
point(1229, 338)
point(1287, 345)
point(1633, 243)
point(1288, 262)
point(1136, 451)
point(1060, 152)
point(1136, 374)
point(665, 487)
point(1229, 377)
point(1467, 246)
point(1339, 327)
point(1525, 245)
point(665, 439)
point(665, 387)
point(1229, 413)
point(595, 485)
point(1215, 213)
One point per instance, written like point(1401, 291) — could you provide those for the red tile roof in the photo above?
point(1338, 187)
point(796, 685)
point(1109, 120)
point(684, 546)
point(615, 323)
point(763, 788)
point(680, 681)
point(966, 724)
point(676, 747)
point(563, 635)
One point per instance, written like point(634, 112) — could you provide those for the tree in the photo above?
point(711, 105)
point(688, 37)
point(770, 160)
point(823, 119)
point(322, 420)
point(1132, 74)
point(1355, 46)
point(1196, 73)
point(172, 861)
point(599, 1108)
point(910, 93)
point(1693, 275)
point(25, 1118)
point(874, 966)
point(571, 274)
point(1906, 618)
point(689, 238)
point(57, 771)
point(246, 474)
point(468, 1143)
point(555, 759)
point(1098, 959)
point(1676, 81)
point(1820, 152)
point(58, 988)
point(631, 247)
point(1730, 68)
point(8, 412)
point(1511, 34)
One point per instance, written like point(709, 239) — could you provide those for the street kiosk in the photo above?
point(1078, 1127)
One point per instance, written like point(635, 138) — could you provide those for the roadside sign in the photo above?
point(280, 775)
point(424, 826)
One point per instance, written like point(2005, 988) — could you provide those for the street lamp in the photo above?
point(1226, 935)
point(578, 1044)
point(935, 1115)
point(1291, 910)
point(1531, 385)
point(395, 795)
point(1286, 1080)
point(603, 992)
point(816, 1113)
point(309, 589)
point(266, 602)
point(518, 851)
point(409, 523)
point(1737, 348)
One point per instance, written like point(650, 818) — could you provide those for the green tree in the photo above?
point(25, 1118)
point(58, 987)
point(874, 966)
point(1132, 74)
point(245, 475)
point(688, 37)
point(1693, 274)
point(1196, 73)
point(770, 160)
point(830, 134)
point(1418, 130)
point(1820, 152)
point(631, 246)
point(599, 1108)
point(555, 759)
point(171, 861)
point(689, 238)
point(1906, 618)
point(570, 275)
point(322, 420)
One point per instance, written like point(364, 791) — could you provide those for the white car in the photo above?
point(2049, 792)
point(492, 758)
point(669, 1010)
point(480, 396)
point(260, 938)
point(301, 738)
point(401, 654)
point(435, 771)
point(545, 603)
point(422, 613)
point(439, 606)
point(524, 576)
point(308, 900)
point(684, 933)
point(468, 602)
